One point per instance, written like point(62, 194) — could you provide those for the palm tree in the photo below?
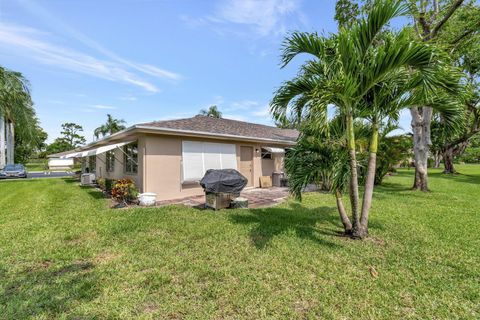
point(16, 113)
point(355, 71)
point(111, 126)
point(212, 112)
point(320, 158)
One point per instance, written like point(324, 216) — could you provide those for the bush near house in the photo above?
point(109, 183)
point(124, 191)
point(106, 184)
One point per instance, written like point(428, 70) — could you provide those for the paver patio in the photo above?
point(257, 197)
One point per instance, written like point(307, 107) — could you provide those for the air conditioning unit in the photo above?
point(87, 179)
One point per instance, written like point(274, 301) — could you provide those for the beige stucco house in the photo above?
point(170, 157)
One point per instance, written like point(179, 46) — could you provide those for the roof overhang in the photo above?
point(129, 133)
point(274, 150)
point(95, 151)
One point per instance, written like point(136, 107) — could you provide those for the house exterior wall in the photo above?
point(275, 164)
point(119, 167)
point(160, 165)
point(163, 166)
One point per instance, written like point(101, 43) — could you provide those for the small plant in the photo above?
point(109, 183)
point(124, 191)
point(101, 183)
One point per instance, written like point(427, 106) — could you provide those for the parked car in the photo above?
point(13, 171)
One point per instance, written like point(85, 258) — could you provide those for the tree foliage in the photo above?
point(110, 127)
point(212, 112)
point(364, 72)
point(16, 105)
point(70, 139)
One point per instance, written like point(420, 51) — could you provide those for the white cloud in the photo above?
point(264, 16)
point(58, 25)
point(103, 107)
point(47, 53)
point(260, 17)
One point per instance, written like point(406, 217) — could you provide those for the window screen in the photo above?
point(198, 157)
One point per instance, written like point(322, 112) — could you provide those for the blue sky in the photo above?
point(144, 60)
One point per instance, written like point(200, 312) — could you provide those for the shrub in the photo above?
point(109, 183)
point(124, 191)
point(101, 183)
point(471, 155)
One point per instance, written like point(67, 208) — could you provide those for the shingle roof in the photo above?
point(226, 127)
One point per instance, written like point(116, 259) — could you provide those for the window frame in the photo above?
point(92, 160)
point(110, 161)
point(130, 158)
point(265, 154)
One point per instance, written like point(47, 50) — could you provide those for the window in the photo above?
point(131, 158)
point(110, 161)
point(266, 154)
point(198, 157)
point(92, 163)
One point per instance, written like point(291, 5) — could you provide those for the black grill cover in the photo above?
point(225, 180)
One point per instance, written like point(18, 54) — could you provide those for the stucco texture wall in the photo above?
point(163, 166)
point(119, 167)
point(160, 165)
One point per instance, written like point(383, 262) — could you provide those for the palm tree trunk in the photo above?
point(362, 231)
point(347, 225)
point(2, 142)
point(353, 173)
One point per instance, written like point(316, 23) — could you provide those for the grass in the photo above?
point(35, 166)
point(65, 254)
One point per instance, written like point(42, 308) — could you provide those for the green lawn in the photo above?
point(37, 166)
point(64, 254)
point(34, 166)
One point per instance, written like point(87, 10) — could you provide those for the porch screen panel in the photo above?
point(198, 157)
point(192, 156)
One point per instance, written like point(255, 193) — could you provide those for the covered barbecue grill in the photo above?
point(221, 186)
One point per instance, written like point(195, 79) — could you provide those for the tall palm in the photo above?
point(212, 111)
point(16, 111)
point(345, 72)
point(110, 127)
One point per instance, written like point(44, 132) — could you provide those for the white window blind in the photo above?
point(198, 157)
